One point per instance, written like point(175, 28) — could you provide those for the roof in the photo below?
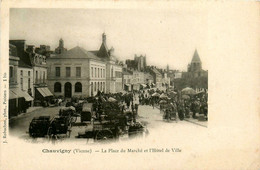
point(156, 71)
point(12, 50)
point(23, 64)
point(103, 51)
point(127, 73)
point(77, 52)
point(94, 52)
point(195, 57)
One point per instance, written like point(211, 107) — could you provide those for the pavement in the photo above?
point(197, 122)
point(147, 115)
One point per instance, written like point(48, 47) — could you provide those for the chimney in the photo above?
point(111, 51)
point(104, 37)
point(20, 46)
point(30, 49)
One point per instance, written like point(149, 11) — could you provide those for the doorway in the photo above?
point(68, 90)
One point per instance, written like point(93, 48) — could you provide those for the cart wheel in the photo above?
point(104, 135)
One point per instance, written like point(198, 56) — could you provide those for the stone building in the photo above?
point(139, 63)
point(82, 73)
point(195, 77)
point(113, 67)
point(37, 62)
point(17, 98)
point(157, 76)
point(149, 79)
point(195, 67)
point(25, 77)
point(60, 49)
point(127, 80)
point(76, 72)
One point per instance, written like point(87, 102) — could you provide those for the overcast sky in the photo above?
point(165, 36)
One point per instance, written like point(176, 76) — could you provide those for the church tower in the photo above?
point(196, 64)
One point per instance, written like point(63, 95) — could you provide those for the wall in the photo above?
point(25, 78)
point(72, 63)
point(97, 77)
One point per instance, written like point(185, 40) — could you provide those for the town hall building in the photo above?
point(81, 73)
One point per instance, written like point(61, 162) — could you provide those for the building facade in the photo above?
point(127, 80)
point(25, 79)
point(139, 63)
point(81, 73)
point(38, 75)
point(18, 99)
point(195, 67)
point(113, 67)
point(76, 72)
point(157, 76)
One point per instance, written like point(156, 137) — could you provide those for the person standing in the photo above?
point(136, 109)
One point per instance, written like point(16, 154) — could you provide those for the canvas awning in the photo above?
point(127, 85)
point(17, 93)
point(44, 91)
point(144, 85)
point(12, 95)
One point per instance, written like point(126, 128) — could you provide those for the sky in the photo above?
point(165, 36)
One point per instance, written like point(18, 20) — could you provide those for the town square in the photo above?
point(69, 92)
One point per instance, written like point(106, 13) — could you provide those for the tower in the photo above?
point(61, 43)
point(104, 38)
point(196, 64)
point(60, 49)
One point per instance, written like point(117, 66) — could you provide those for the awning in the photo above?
point(127, 85)
point(144, 85)
point(27, 96)
point(12, 95)
point(45, 92)
point(17, 93)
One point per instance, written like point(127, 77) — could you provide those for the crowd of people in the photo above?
point(173, 104)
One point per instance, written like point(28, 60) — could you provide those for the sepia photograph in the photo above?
point(129, 85)
point(84, 74)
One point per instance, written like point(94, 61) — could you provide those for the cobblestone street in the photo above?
point(151, 117)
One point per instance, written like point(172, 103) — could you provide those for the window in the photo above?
point(67, 71)
point(44, 77)
point(21, 72)
point(95, 72)
point(29, 83)
point(78, 71)
point(104, 73)
point(95, 87)
point(103, 86)
point(78, 87)
point(57, 87)
point(98, 86)
point(21, 82)
point(101, 72)
point(36, 77)
point(118, 74)
point(11, 72)
point(92, 72)
point(29, 73)
point(91, 88)
point(98, 73)
point(57, 71)
point(40, 76)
